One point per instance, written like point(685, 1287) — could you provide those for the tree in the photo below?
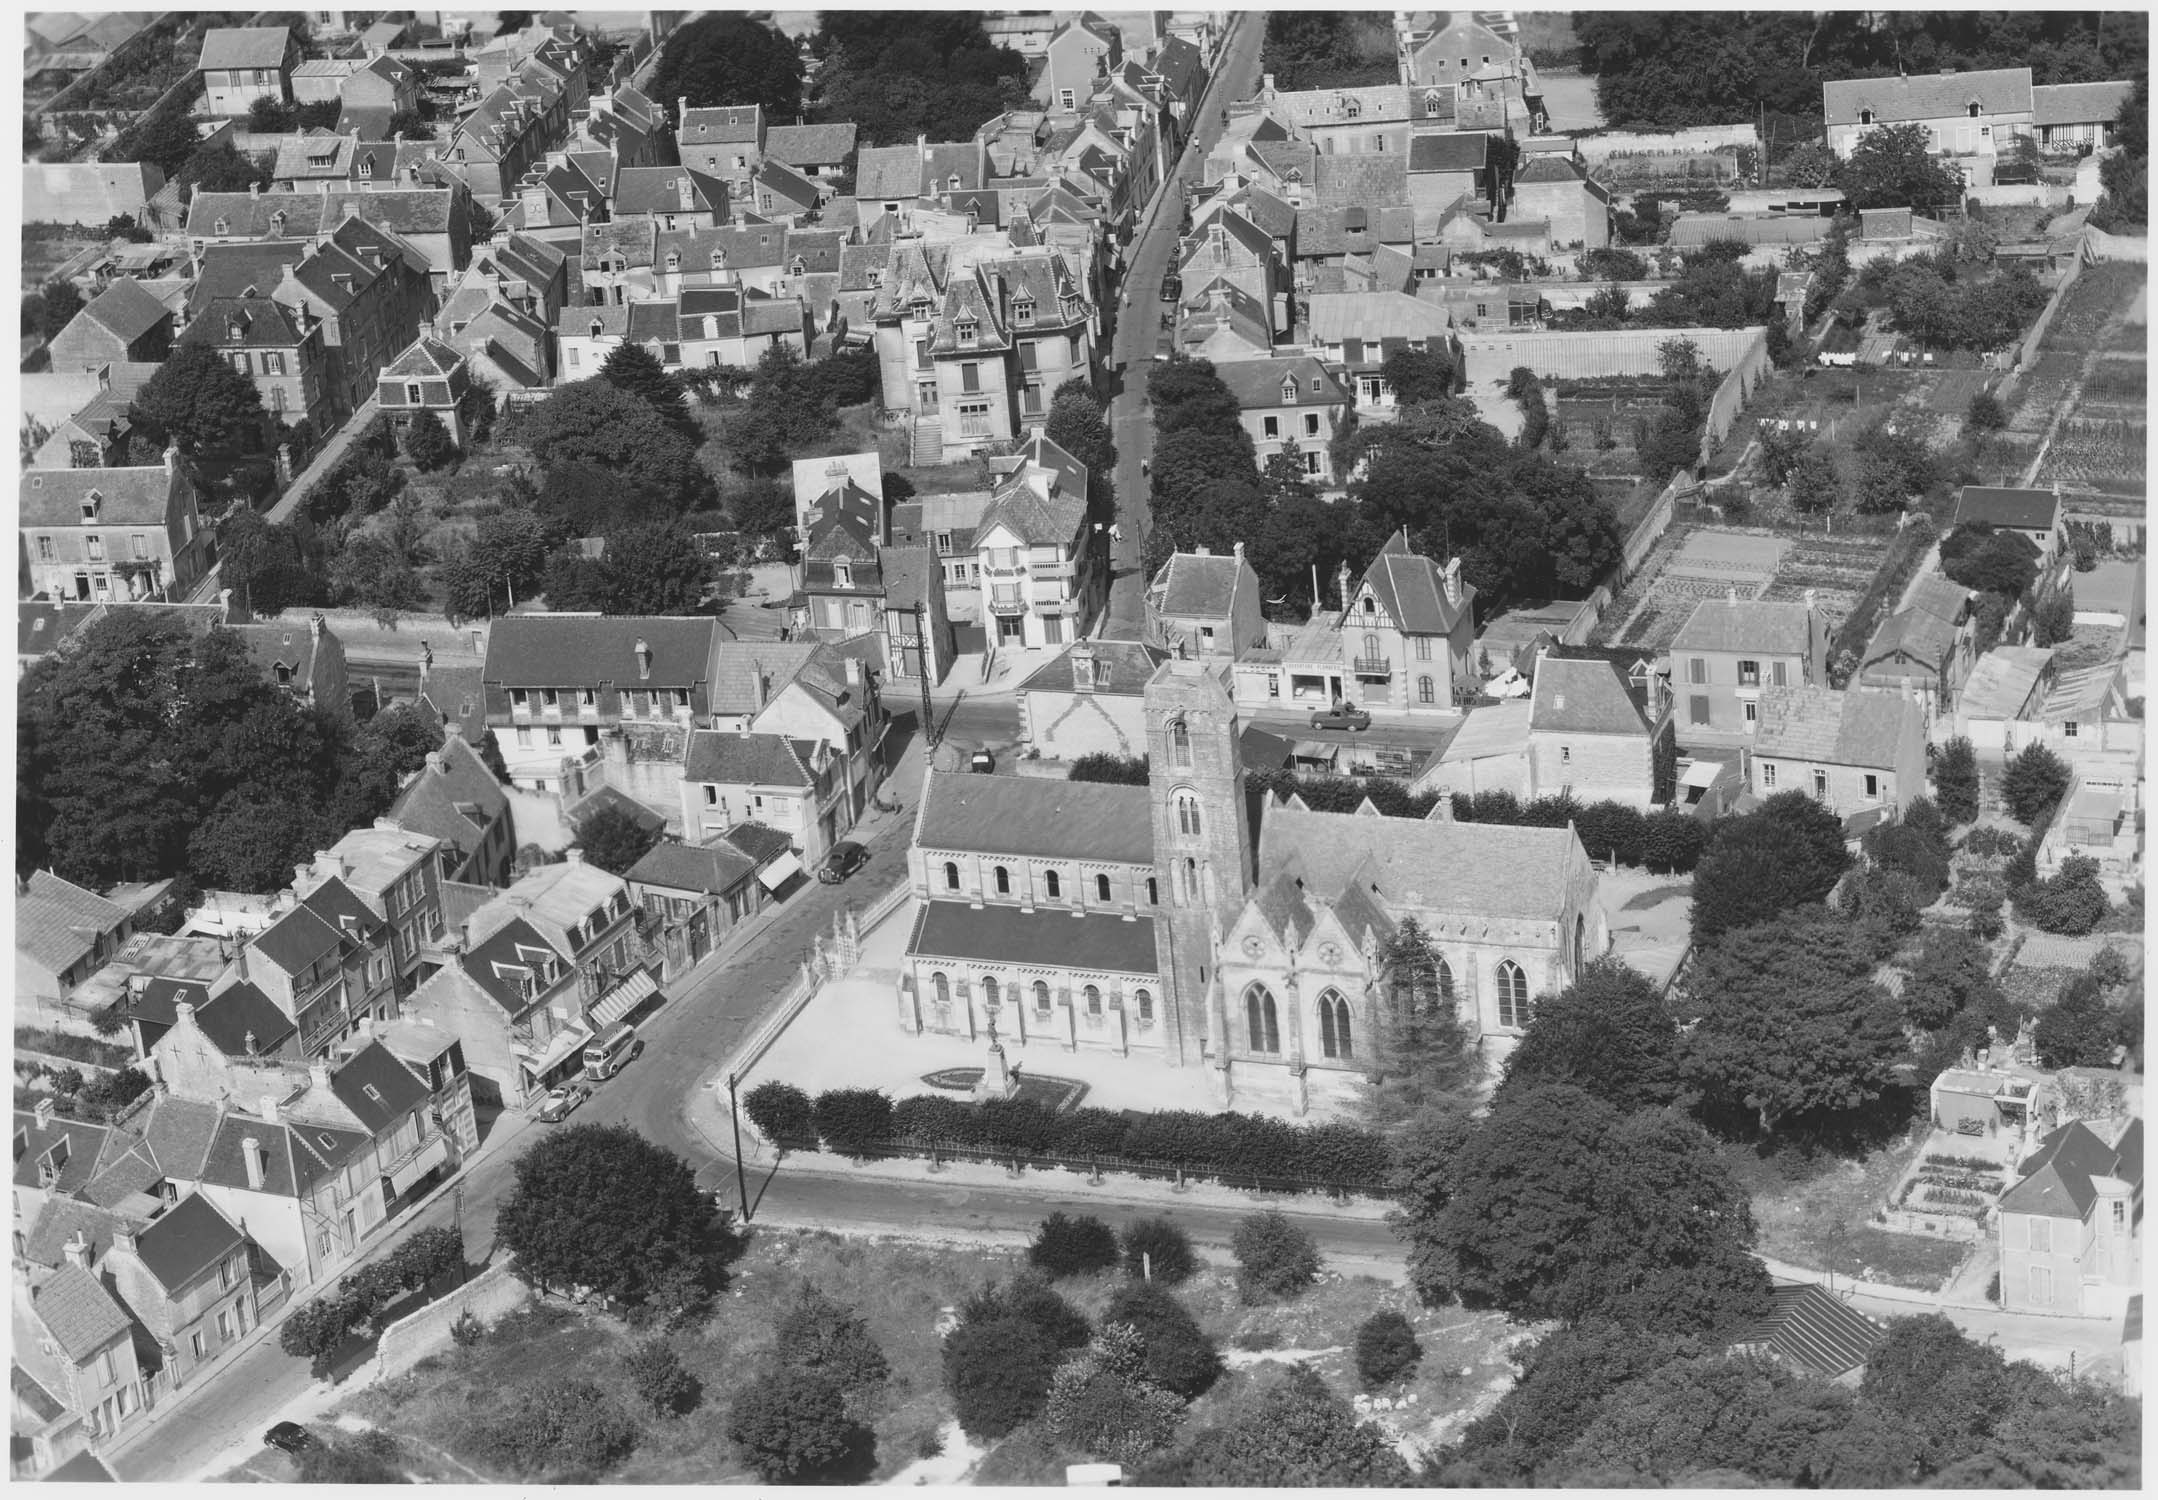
point(166, 139)
point(1985, 413)
point(636, 370)
point(1893, 166)
point(761, 507)
point(1386, 1348)
point(614, 840)
point(1103, 1405)
point(657, 568)
point(2035, 782)
point(1275, 1257)
point(197, 400)
point(1812, 482)
point(385, 750)
point(833, 1340)
point(1766, 864)
point(1785, 1020)
point(1953, 973)
point(593, 423)
point(789, 407)
point(1999, 562)
point(1416, 376)
point(222, 169)
point(1158, 1250)
point(2055, 621)
point(427, 442)
point(316, 1330)
point(50, 309)
point(781, 1112)
point(2077, 1031)
point(2071, 901)
point(792, 1426)
point(1420, 1050)
point(661, 1379)
point(505, 559)
point(1945, 1389)
point(269, 565)
point(1565, 1377)
point(600, 1206)
point(730, 59)
point(1179, 1356)
point(1076, 425)
point(1067, 1246)
point(1607, 1034)
point(371, 571)
point(1294, 1433)
point(1955, 781)
point(997, 1371)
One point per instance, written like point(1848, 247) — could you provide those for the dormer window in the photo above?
point(674, 260)
point(1865, 117)
point(596, 326)
point(235, 331)
point(1352, 108)
point(1974, 109)
point(719, 260)
point(1071, 306)
point(967, 332)
point(1023, 310)
point(1288, 392)
point(220, 227)
point(798, 268)
point(367, 168)
point(1433, 101)
point(843, 573)
point(952, 182)
point(876, 277)
point(90, 504)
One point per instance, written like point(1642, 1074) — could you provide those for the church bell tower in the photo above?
point(1202, 840)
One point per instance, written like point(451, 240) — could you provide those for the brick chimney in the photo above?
point(123, 1241)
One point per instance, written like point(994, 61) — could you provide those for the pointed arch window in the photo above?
point(1513, 995)
point(1337, 1037)
point(1262, 1020)
point(1445, 975)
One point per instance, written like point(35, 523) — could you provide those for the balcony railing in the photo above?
point(1372, 666)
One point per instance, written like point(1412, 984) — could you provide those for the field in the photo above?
point(2093, 358)
point(902, 1291)
point(2100, 294)
point(1817, 1213)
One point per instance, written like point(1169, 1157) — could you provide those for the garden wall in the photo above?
point(1593, 355)
point(2116, 246)
point(2005, 194)
point(1605, 143)
point(1647, 532)
point(2037, 335)
point(1743, 376)
point(491, 1295)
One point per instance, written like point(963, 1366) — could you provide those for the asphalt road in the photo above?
point(979, 720)
point(1138, 327)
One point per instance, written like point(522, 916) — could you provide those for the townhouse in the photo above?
point(1089, 700)
point(282, 350)
point(1732, 650)
point(1927, 646)
point(1203, 604)
point(307, 661)
point(2034, 515)
point(1972, 117)
point(430, 227)
point(1044, 562)
point(2071, 1227)
point(455, 798)
point(78, 1375)
point(697, 894)
point(726, 143)
point(1598, 735)
point(193, 1279)
point(818, 152)
point(1860, 752)
point(63, 934)
point(321, 963)
point(1294, 406)
point(1353, 332)
point(1079, 55)
point(397, 877)
point(428, 376)
point(106, 534)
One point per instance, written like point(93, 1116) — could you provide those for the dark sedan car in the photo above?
point(843, 861)
point(289, 1436)
point(1346, 716)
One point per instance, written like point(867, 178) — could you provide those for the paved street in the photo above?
point(1138, 329)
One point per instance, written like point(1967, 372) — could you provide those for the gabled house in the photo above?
point(2078, 115)
point(110, 534)
point(1860, 752)
point(1408, 632)
point(1355, 331)
point(194, 1280)
point(1044, 569)
point(697, 894)
point(1089, 700)
point(121, 324)
point(2072, 1226)
point(89, 1380)
point(241, 64)
point(1591, 734)
point(307, 661)
point(674, 197)
point(55, 1159)
point(1293, 405)
point(2019, 696)
point(1926, 646)
point(1731, 650)
point(1457, 50)
point(725, 142)
point(63, 934)
point(1082, 52)
point(1555, 191)
point(432, 222)
point(1445, 167)
point(1202, 604)
point(456, 799)
point(1966, 115)
point(818, 152)
point(282, 350)
point(918, 639)
point(2034, 515)
point(428, 376)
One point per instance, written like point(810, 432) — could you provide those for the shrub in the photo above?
point(1955, 781)
point(1179, 1356)
point(816, 1333)
point(1985, 414)
point(1088, 1131)
point(997, 1371)
point(1274, 1257)
point(792, 1426)
point(565, 1427)
point(781, 1112)
point(427, 442)
point(2071, 902)
point(1160, 1247)
point(1672, 841)
point(1020, 1125)
point(2036, 780)
point(1104, 1406)
point(1068, 1246)
point(850, 1121)
point(1386, 1348)
point(933, 1120)
point(661, 1380)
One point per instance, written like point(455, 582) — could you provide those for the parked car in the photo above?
point(561, 1100)
point(983, 761)
point(1172, 287)
point(1343, 716)
point(289, 1436)
point(846, 857)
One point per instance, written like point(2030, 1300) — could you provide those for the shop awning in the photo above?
point(779, 871)
point(565, 1043)
point(622, 999)
point(431, 1156)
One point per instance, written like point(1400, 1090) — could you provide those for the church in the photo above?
point(1194, 922)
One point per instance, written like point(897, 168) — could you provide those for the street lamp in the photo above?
point(741, 1181)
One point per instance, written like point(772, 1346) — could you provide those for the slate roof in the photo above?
point(73, 1146)
point(791, 186)
point(2013, 509)
point(131, 497)
point(2055, 1180)
point(1372, 316)
point(295, 1155)
point(758, 842)
point(232, 1014)
point(657, 190)
point(580, 650)
point(187, 1240)
point(1256, 383)
point(1193, 586)
point(1855, 727)
point(61, 1219)
point(167, 1138)
point(1772, 627)
point(126, 309)
point(909, 573)
point(1813, 1331)
point(1023, 816)
point(1927, 96)
point(244, 47)
point(377, 1088)
point(79, 1313)
point(1374, 181)
point(1583, 697)
point(1452, 151)
point(1410, 589)
point(888, 172)
point(296, 940)
point(736, 666)
point(735, 122)
point(745, 760)
point(516, 945)
point(714, 868)
point(1494, 729)
point(2078, 103)
point(57, 922)
point(258, 322)
point(1035, 521)
point(1052, 936)
point(1490, 870)
point(454, 800)
point(1126, 665)
point(810, 145)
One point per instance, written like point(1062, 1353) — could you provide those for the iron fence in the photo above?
point(1180, 1173)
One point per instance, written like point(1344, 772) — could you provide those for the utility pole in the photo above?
point(921, 646)
point(741, 1181)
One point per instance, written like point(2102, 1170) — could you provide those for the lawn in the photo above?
point(903, 1290)
point(1798, 1202)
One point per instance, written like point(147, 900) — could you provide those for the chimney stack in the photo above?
point(644, 660)
point(318, 1073)
point(1341, 576)
point(123, 1240)
point(576, 855)
point(251, 1153)
point(44, 1112)
point(183, 1012)
point(77, 1250)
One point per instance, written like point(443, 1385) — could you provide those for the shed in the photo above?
point(1813, 1332)
point(1974, 1100)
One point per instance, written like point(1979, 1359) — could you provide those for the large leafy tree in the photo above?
point(197, 400)
point(1565, 1377)
point(2035, 782)
point(635, 369)
point(903, 74)
point(1558, 1205)
point(615, 840)
point(730, 59)
point(505, 558)
point(1076, 425)
point(1893, 166)
point(1293, 1433)
point(592, 422)
point(270, 565)
point(601, 1206)
point(658, 568)
point(1608, 1034)
point(1785, 1021)
point(792, 1426)
point(1419, 1047)
point(1763, 865)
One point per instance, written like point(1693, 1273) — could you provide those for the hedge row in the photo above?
point(861, 1121)
point(1668, 841)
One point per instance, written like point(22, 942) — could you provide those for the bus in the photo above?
point(604, 1058)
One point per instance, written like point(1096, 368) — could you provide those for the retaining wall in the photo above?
point(494, 1293)
point(1589, 355)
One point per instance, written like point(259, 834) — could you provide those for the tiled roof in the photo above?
point(1855, 727)
point(2020, 510)
point(377, 1088)
point(1410, 589)
point(129, 497)
point(1049, 936)
point(1495, 729)
point(2055, 1181)
point(1582, 697)
point(453, 797)
point(234, 1015)
point(714, 869)
point(757, 841)
point(57, 922)
point(1257, 383)
point(779, 178)
point(187, 1240)
point(731, 759)
point(1023, 816)
point(1373, 316)
point(73, 1148)
point(1373, 181)
point(126, 309)
point(60, 1221)
point(1121, 669)
point(296, 940)
point(1814, 1332)
point(246, 322)
point(1487, 870)
point(79, 1313)
point(1773, 627)
point(908, 575)
point(739, 122)
point(1203, 587)
point(658, 190)
point(1451, 151)
point(578, 650)
point(1928, 96)
point(888, 172)
point(2078, 103)
point(737, 667)
point(810, 145)
point(244, 47)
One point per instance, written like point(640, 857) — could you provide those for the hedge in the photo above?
point(1667, 842)
point(853, 1121)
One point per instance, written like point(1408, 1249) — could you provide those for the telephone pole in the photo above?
point(921, 646)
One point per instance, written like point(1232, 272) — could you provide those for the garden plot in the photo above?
point(2103, 457)
point(2101, 293)
point(1949, 1193)
point(1708, 564)
point(1837, 570)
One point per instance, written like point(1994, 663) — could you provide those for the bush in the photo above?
point(427, 442)
point(1160, 1247)
point(792, 1426)
point(661, 1380)
point(782, 1113)
point(933, 1120)
point(815, 1333)
point(2036, 780)
point(850, 1121)
point(1955, 781)
point(566, 1428)
point(1985, 414)
point(2071, 902)
point(1179, 1356)
point(1672, 841)
point(997, 1371)
point(1068, 1246)
point(1274, 1257)
point(1386, 1348)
